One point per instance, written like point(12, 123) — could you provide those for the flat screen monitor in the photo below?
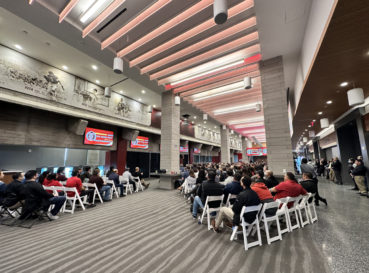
point(44, 169)
point(140, 143)
point(196, 151)
point(101, 170)
point(183, 149)
point(98, 137)
point(68, 171)
point(55, 169)
point(259, 151)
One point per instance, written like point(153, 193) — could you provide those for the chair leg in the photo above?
point(279, 228)
point(203, 214)
point(267, 231)
point(208, 214)
point(245, 237)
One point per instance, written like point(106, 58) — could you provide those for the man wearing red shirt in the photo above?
point(50, 181)
point(264, 194)
point(75, 182)
point(289, 188)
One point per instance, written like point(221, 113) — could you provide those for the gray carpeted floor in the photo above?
point(153, 231)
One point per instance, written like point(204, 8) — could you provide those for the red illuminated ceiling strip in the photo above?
point(135, 22)
point(207, 55)
point(68, 8)
point(227, 75)
point(204, 43)
point(99, 19)
point(243, 6)
point(218, 84)
point(187, 14)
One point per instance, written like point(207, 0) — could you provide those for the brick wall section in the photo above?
point(170, 118)
point(276, 116)
point(225, 152)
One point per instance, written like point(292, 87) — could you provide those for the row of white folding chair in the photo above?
point(126, 184)
point(207, 210)
point(113, 188)
point(229, 198)
point(96, 192)
point(71, 200)
point(138, 183)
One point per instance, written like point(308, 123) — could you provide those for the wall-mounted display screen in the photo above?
point(259, 151)
point(196, 150)
point(68, 171)
point(140, 143)
point(98, 137)
point(55, 169)
point(183, 149)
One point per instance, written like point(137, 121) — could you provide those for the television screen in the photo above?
point(98, 137)
point(101, 170)
point(183, 149)
point(68, 171)
point(43, 169)
point(196, 150)
point(260, 151)
point(140, 143)
point(55, 169)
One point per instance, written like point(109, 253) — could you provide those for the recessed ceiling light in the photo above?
point(329, 102)
point(139, 99)
point(314, 120)
point(121, 91)
point(154, 106)
point(97, 81)
point(18, 47)
point(65, 67)
point(320, 113)
point(204, 121)
point(306, 130)
point(309, 126)
point(344, 84)
point(194, 117)
point(143, 91)
point(215, 127)
point(94, 67)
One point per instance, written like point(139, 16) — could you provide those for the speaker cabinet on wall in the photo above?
point(130, 134)
point(78, 126)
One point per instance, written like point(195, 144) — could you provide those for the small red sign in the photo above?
point(140, 143)
point(99, 137)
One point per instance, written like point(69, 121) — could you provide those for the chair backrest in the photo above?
point(248, 209)
point(90, 185)
point(283, 201)
point(109, 181)
point(231, 197)
point(212, 199)
point(269, 205)
point(294, 201)
point(123, 180)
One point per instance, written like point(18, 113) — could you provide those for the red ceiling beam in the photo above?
point(68, 8)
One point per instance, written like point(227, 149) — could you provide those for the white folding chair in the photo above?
point(71, 199)
point(246, 227)
point(138, 183)
point(282, 212)
point(113, 189)
point(229, 198)
point(207, 210)
point(311, 208)
point(293, 209)
point(302, 207)
point(96, 191)
point(126, 184)
point(267, 219)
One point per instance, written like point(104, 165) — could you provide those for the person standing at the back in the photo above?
point(336, 166)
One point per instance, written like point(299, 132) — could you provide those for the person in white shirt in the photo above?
point(127, 176)
point(189, 184)
point(229, 178)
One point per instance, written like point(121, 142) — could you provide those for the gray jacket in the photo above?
point(306, 168)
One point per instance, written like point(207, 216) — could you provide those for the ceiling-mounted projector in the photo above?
point(247, 84)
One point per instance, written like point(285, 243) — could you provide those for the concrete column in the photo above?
point(278, 138)
point(245, 158)
point(170, 118)
point(225, 146)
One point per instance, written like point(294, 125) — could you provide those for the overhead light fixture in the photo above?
point(139, 99)
point(320, 113)
point(194, 117)
point(18, 47)
point(233, 122)
point(244, 107)
point(177, 100)
point(249, 125)
point(205, 116)
point(247, 83)
point(309, 126)
point(355, 96)
point(149, 109)
point(204, 121)
point(258, 107)
point(220, 11)
point(143, 91)
point(94, 67)
point(215, 127)
point(107, 92)
point(224, 127)
point(344, 84)
point(65, 67)
point(232, 131)
point(324, 123)
point(121, 91)
point(329, 102)
point(95, 7)
point(118, 65)
point(314, 120)
point(97, 81)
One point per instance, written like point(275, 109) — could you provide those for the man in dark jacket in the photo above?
point(37, 198)
point(359, 175)
point(14, 191)
point(233, 188)
point(208, 188)
point(270, 180)
point(115, 177)
point(310, 185)
point(246, 198)
point(336, 166)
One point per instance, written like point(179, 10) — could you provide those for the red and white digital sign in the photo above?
point(183, 149)
point(196, 151)
point(140, 143)
point(260, 151)
point(99, 137)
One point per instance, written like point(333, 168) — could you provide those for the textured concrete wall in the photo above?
point(170, 118)
point(225, 152)
point(277, 130)
point(245, 158)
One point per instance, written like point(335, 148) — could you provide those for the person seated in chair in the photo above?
point(14, 193)
point(115, 178)
point(127, 176)
point(37, 198)
point(75, 182)
point(60, 174)
point(103, 188)
point(50, 181)
point(2, 187)
point(233, 188)
point(139, 174)
point(85, 176)
point(208, 188)
point(263, 193)
point(310, 185)
point(270, 180)
point(232, 215)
